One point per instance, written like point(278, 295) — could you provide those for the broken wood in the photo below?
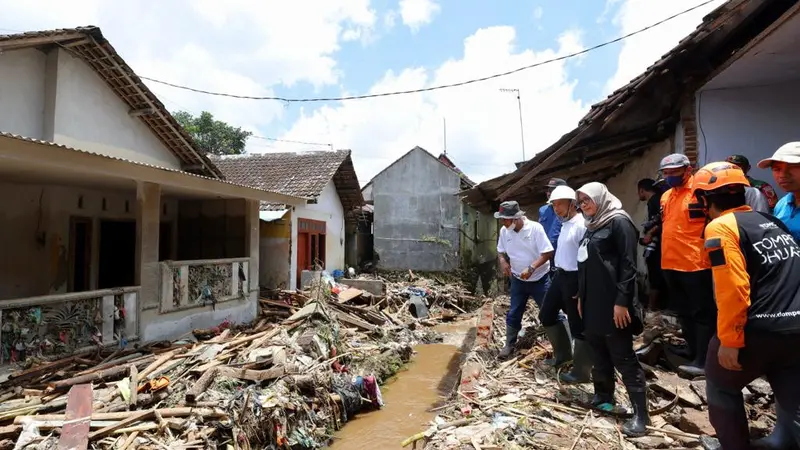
point(255, 375)
point(132, 418)
point(95, 377)
point(134, 385)
point(75, 434)
point(201, 385)
point(208, 413)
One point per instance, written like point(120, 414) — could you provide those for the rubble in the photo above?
point(312, 361)
point(520, 403)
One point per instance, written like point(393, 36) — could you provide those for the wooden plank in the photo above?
point(253, 375)
point(133, 418)
point(75, 434)
point(349, 294)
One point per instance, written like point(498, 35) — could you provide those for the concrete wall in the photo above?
point(58, 98)
point(275, 252)
point(751, 121)
point(479, 239)
point(22, 81)
point(35, 224)
point(329, 210)
point(417, 215)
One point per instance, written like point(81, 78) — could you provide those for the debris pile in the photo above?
point(290, 380)
point(519, 403)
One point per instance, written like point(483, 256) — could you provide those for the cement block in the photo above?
point(374, 287)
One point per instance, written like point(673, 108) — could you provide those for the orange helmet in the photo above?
point(716, 175)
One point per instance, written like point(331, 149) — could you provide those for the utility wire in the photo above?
point(289, 141)
point(432, 88)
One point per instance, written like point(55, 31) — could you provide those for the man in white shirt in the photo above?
point(756, 200)
point(563, 291)
point(523, 253)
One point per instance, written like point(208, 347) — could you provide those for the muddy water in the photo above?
point(431, 376)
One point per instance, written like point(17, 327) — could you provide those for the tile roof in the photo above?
point(89, 45)
point(302, 174)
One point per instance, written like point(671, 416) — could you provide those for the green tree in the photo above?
point(213, 136)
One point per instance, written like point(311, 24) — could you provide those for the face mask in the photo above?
point(675, 181)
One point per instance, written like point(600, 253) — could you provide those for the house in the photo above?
point(115, 225)
point(308, 236)
point(730, 87)
point(419, 221)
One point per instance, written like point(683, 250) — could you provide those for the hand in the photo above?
point(505, 268)
point(729, 358)
point(526, 273)
point(621, 316)
point(580, 310)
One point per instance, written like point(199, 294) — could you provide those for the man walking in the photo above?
point(756, 271)
point(524, 254)
point(684, 263)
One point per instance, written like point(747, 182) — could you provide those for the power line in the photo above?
point(432, 88)
point(289, 141)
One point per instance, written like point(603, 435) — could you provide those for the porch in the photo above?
point(101, 251)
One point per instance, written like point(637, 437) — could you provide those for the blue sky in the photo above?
point(313, 48)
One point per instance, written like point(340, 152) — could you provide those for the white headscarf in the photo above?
point(608, 206)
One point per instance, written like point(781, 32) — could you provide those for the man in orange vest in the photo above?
point(756, 269)
point(684, 263)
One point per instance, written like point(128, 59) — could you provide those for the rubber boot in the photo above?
point(581, 364)
point(604, 394)
point(781, 437)
point(562, 346)
point(697, 367)
point(511, 339)
point(637, 426)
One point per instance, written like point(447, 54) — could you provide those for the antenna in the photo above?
point(444, 123)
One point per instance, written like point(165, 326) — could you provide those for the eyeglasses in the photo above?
point(583, 201)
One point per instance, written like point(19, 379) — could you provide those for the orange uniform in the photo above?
point(683, 221)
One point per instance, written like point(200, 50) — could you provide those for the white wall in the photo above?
point(751, 121)
point(328, 209)
point(22, 88)
point(90, 116)
point(28, 268)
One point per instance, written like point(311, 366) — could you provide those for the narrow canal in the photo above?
point(428, 379)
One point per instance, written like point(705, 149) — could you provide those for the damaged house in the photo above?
point(115, 226)
point(729, 87)
point(313, 236)
point(419, 222)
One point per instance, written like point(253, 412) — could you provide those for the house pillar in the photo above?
point(148, 216)
point(252, 247)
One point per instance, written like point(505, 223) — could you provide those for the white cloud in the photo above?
point(538, 12)
point(641, 51)
point(416, 13)
point(483, 134)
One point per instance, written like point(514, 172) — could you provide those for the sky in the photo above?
point(324, 48)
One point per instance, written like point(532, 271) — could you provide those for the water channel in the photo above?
point(428, 379)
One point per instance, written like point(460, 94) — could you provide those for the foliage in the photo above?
point(213, 136)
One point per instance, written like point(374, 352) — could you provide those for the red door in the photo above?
point(302, 255)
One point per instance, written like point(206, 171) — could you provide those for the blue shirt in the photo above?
point(551, 224)
point(787, 212)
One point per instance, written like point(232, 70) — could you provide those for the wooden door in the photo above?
point(303, 254)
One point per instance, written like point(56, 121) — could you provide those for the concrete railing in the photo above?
point(191, 284)
point(54, 325)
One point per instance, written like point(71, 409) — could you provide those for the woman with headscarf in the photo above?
point(607, 301)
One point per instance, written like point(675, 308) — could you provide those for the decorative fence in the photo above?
point(189, 284)
point(54, 325)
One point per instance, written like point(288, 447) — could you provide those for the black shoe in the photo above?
point(511, 339)
point(689, 330)
point(697, 367)
point(781, 437)
point(581, 364)
point(637, 426)
point(603, 393)
point(562, 346)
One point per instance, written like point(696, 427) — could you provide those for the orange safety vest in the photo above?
point(682, 223)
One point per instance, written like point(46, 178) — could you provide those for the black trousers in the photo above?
point(561, 297)
point(692, 296)
point(615, 351)
point(773, 355)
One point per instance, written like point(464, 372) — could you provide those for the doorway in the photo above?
point(80, 238)
point(310, 246)
point(117, 261)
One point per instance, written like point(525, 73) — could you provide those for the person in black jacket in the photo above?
point(607, 301)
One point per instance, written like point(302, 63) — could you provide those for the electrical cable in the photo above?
point(432, 88)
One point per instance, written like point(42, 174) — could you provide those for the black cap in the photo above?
point(509, 210)
point(555, 182)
